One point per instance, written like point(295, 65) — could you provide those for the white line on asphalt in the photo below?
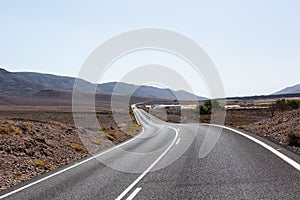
point(136, 118)
point(135, 192)
point(149, 168)
point(178, 141)
point(277, 153)
point(71, 167)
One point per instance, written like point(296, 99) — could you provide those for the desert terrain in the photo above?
point(40, 138)
point(38, 133)
point(257, 116)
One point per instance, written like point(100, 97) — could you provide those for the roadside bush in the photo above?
point(215, 104)
point(5, 128)
point(205, 110)
point(210, 106)
point(56, 123)
point(293, 104)
point(40, 163)
point(283, 104)
point(79, 148)
point(26, 126)
point(294, 139)
point(18, 131)
point(9, 128)
point(98, 142)
point(112, 136)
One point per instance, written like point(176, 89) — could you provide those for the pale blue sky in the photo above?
point(254, 44)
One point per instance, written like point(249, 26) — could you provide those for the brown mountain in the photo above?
point(30, 84)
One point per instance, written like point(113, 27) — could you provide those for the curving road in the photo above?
point(163, 162)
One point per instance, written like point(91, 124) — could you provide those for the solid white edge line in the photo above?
point(71, 167)
point(135, 192)
point(274, 151)
point(133, 184)
point(177, 141)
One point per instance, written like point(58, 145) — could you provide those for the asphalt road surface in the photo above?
point(163, 162)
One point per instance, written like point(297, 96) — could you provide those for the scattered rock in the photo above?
point(278, 128)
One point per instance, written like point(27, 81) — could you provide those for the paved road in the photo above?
point(236, 168)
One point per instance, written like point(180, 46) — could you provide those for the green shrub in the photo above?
point(293, 104)
point(210, 106)
point(283, 104)
point(205, 110)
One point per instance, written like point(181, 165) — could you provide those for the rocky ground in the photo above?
point(30, 148)
point(278, 128)
point(256, 120)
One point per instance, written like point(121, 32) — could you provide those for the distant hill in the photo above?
point(146, 91)
point(33, 84)
point(289, 90)
point(11, 84)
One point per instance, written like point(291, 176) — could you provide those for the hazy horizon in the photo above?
point(146, 85)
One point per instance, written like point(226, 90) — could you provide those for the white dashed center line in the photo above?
point(135, 192)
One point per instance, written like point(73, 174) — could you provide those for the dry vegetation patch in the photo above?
point(284, 127)
point(35, 141)
point(273, 119)
point(28, 149)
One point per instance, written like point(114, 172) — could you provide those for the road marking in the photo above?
point(71, 167)
point(129, 188)
point(135, 192)
point(178, 141)
point(274, 151)
point(136, 118)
